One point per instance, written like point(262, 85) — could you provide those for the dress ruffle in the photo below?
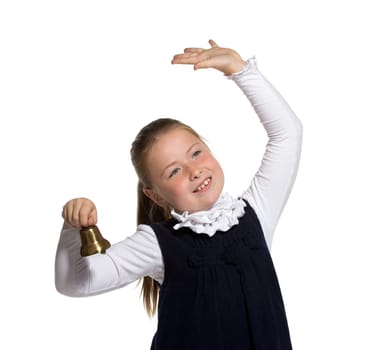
point(223, 215)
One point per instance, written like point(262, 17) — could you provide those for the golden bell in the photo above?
point(92, 241)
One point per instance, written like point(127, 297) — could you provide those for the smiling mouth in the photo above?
point(204, 186)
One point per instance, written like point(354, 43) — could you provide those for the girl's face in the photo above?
point(183, 172)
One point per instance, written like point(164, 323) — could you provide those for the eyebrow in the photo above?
point(174, 162)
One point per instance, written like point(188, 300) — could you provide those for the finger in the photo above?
point(207, 62)
point(185, 55)
point(84, 218)
point(185, 59)
point(193, 50)
point(212, 43)
point(188, 52)
point(193, 57)
point(74, 214)
point(68, 212)
point(86, 212)
point(93, 217)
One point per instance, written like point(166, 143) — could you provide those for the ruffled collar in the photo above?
point(220, 217)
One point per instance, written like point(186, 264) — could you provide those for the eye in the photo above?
point(174, 172)
point(196, 154)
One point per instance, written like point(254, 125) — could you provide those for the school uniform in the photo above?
point(219, 292)
point(218, 286)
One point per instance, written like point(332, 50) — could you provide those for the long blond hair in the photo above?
point(147, 211)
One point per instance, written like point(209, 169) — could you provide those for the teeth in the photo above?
point(202, 186)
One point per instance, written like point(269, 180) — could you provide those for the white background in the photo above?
point(78, 79)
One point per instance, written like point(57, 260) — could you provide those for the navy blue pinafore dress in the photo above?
point(219, 292)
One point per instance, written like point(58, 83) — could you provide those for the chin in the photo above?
point(209, 203)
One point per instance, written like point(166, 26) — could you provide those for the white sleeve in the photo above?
point(272, 184)
point(137, 256)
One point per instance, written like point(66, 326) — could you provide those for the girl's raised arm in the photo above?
point(272, 184)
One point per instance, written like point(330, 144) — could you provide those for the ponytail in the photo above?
point(147, 211)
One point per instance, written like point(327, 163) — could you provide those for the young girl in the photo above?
point(202, 253)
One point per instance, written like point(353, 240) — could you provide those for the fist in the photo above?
point(80, 212)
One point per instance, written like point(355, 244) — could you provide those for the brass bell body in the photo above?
point(92, 241)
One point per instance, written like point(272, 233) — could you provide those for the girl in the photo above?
point(203, 254)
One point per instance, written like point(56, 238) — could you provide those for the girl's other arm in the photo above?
point(125, 262)
point(137, 256)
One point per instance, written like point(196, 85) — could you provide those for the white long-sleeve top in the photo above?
point(139, 255)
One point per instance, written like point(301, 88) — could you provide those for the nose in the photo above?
point(195, 173)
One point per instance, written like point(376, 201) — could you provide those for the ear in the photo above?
point(151, 194)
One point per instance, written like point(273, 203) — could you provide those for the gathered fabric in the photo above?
point(223, 215)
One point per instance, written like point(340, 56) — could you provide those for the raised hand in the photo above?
point(225, 60)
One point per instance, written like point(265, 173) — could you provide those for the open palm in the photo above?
point(225, 60)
